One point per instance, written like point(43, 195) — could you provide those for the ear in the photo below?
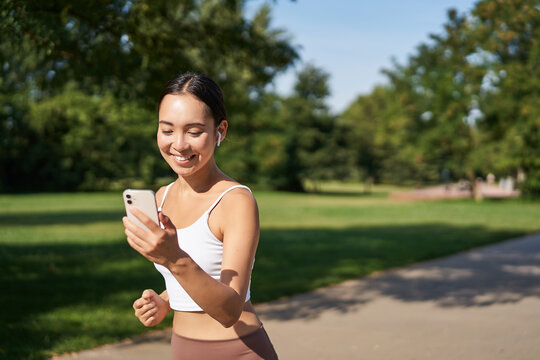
point(222, 131)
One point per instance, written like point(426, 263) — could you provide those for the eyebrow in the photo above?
point(190, 124)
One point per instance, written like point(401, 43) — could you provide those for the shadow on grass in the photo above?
point(40, 279)
point(501, 274)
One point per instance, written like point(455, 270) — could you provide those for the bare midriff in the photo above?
point(201, 326)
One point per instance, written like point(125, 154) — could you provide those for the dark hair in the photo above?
point(201, 86)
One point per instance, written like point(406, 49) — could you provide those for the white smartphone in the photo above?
point(144, 200)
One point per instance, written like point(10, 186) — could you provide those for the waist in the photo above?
point(201, 326)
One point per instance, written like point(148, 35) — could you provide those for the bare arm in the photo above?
point(223, 300)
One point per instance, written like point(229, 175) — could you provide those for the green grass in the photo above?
point(68, 277)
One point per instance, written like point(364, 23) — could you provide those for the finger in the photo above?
point(135, 242)
point(146, 312)
point(149, 321)
point(137, 304)
point(148, 294)
point(141, 310)
point(149, 223)
point(140, 302)
point(166, 221)
point(135, 245)
point(134, 238)
point(134, 228)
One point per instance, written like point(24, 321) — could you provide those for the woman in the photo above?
point(206, 242)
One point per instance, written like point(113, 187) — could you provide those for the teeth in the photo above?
point(181, 158)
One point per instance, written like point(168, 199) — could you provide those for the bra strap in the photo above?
point(164, 196)
point(225, 192)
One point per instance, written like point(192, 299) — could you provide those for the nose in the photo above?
point(180, 143)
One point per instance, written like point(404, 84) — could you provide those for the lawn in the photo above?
point(69, 278)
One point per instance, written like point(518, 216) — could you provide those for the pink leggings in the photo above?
point(253, 346)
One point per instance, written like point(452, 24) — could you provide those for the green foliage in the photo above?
point(379, 138)
point(95, 71)
point(297, 139)
point(312, 145)
point(531, 186)
point(78, 86)
point(93, 140)
point(466, 101)
point(100, 66)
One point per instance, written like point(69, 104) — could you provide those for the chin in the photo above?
point(187, 172)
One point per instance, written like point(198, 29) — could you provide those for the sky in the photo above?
point(353, 40)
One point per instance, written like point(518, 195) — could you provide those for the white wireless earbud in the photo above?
point(219, 138)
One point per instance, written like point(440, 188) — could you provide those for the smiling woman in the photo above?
point(187, 135)
point(205, 246)
point(192, 118)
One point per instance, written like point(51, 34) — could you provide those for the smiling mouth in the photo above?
point(184, 158)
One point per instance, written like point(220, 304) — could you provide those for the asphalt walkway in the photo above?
point(482, 304)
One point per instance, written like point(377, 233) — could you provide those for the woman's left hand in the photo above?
point(157, 245)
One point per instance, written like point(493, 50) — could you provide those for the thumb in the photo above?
point(164, 219)
point(151, 296)
point(148, 294)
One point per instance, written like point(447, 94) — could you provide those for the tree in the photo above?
point(378, 137)
point(509, 31)
point(126, 51)
point(465, 101)
point(306, 136)
point(94, 140)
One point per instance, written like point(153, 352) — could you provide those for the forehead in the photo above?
point(183, 108)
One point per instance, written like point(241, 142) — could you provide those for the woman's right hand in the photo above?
point(150, 308)
point(158, 245)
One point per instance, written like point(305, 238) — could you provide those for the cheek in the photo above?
point(202, 142)
point(161, 137)
point(162, 142)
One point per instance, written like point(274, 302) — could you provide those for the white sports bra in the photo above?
point(198, 241)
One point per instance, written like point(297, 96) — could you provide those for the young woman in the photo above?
point(206, 242)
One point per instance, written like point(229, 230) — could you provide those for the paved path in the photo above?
point(482, 305)
point(454, 191)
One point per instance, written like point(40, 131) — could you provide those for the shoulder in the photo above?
point(159, 194)
point(239, 216)
point(236, 213)
point(238, 195)
point(238, 202)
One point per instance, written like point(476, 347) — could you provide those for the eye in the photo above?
point(166, 132)
point(195, 133)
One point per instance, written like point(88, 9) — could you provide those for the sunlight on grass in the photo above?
point(71, 277)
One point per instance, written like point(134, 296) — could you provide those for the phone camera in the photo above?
point(129, 202)
point(128, 196)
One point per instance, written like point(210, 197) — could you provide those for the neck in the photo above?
point(202, 180)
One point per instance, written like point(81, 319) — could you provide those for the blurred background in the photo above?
point(338, 112)
point(459, 101)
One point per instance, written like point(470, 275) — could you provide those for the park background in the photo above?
point(78, 90)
